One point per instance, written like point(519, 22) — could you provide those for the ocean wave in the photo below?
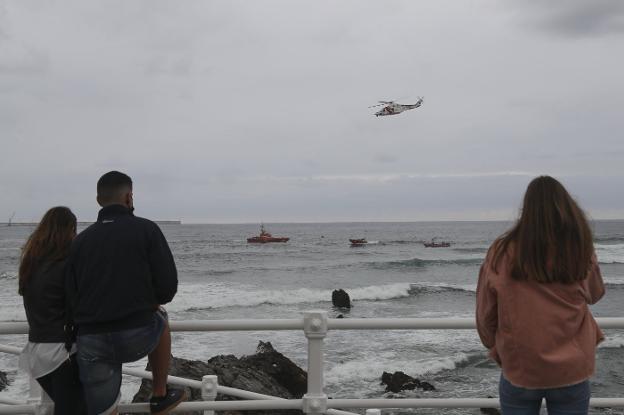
point(614, 284)
point(610, 253)
point(192, 297)
point(422, 263)
point(8, 276)
point(189, 300)
point(609, 239)
point(217, 272)
point(613, 341)
point(402, 242)
point(475, 250)
point(371, 369)
point(431, 288)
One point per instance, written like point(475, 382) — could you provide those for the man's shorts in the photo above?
point(100, 357)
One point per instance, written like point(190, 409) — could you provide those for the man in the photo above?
point(120, 271)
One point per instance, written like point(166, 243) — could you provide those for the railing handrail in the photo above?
point(315, 324)
point(331, 404)
point(417, 323)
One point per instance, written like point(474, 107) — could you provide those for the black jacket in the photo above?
point(119, 270)
point(44, 302)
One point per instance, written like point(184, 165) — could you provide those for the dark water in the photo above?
point(221, 276)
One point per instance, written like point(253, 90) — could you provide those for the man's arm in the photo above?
point(162, 267)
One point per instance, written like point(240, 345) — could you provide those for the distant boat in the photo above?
point(358, 242)
point(434, 244)
point(266, 237)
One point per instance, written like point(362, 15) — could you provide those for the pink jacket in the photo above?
point(542, 335)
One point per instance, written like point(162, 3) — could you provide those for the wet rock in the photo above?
point(279, 367)
point(341, 299)
point(490, 411)
point(4, 382)
point(399, 381)
point(267, 371)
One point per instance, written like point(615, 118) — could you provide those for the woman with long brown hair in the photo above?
point(532, 304)
point(49, 354)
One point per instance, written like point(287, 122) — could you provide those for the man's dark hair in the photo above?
point(111, 185)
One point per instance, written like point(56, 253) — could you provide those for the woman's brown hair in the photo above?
point(551, 241)
point(48, 243)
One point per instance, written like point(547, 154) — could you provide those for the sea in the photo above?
point(221, 276)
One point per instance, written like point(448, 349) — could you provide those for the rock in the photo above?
point(341, 299)
point(279, 367)
point(490, 411)
point(4, 382)
point(426, 386)
point(399, 381)
point(267, 372)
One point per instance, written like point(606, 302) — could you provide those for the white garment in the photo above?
point(40, 359)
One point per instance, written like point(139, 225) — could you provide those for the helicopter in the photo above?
point(392, 108)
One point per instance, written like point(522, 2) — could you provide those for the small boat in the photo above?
point(434, 244)
point(358, 242)
point(266, 237)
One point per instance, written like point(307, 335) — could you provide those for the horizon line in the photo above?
point(182, 222)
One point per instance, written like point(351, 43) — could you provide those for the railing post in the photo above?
point(315, 329)
point(209, 388)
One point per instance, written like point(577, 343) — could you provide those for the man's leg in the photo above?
point(153, 341)
point(163, 399)
point(159, 361)
point(99, 372)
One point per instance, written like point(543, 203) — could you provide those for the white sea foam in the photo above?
point(371, 369)
point(612, 341)
point(441, 286)
point(610, 253)
point(211, 295)
point(11, 307)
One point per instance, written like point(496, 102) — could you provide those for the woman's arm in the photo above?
point(487, 308)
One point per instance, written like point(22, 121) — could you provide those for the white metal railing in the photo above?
point(315, 325)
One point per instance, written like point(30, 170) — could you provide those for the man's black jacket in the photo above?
point(119, 270)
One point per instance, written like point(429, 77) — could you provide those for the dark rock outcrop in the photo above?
point(279, 367)
point(490, 411)
point(399, 381)
point(341, 299)
point(268, 372)
point(3, 380)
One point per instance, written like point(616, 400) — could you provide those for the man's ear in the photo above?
point(97, 199)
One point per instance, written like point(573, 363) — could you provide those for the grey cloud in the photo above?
point(580, 18)
point(17, 58)
point(386, 158)
point(177, 66)
point(234, 110)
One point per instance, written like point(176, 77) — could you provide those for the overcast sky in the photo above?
point(248, 111)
